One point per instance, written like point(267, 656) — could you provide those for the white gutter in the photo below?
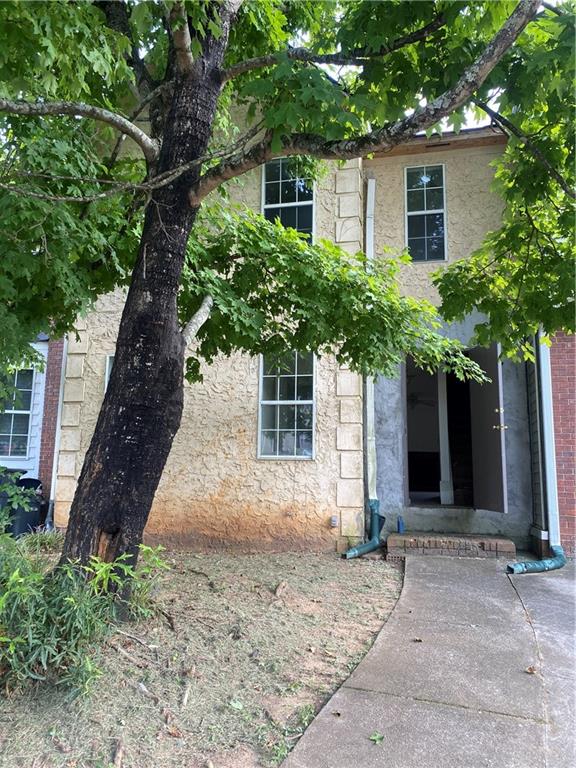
point(371, 465)
point(549, 447)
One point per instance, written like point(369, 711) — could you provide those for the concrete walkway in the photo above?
point(473, 668)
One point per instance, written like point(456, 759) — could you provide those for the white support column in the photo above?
point(446, 485)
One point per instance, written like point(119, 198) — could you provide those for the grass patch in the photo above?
point(239, 654)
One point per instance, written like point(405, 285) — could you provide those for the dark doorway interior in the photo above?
point(424, 474)
point(460, 437)
point(423, 436)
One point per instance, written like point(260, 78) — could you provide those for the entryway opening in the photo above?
point(440, 468)
point(456, 437)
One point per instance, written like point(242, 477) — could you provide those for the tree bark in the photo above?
point(142, 407)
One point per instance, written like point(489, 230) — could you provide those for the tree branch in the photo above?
point(357, 57)
point(148, 146)
point(509, 127)
point(385, 138)
point(198, 319)
point(118, 19)
point(178, 21)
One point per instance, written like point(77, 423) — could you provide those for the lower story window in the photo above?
point(287, 407)
point(15, 415)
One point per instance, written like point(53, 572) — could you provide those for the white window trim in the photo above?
point(266, 457)
point(263, 205)
point(23, 457)
point(108, 370)
point(444, 211)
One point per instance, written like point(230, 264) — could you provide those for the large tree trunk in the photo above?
point(142, 407)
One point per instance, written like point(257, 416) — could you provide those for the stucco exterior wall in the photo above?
point(215, 491)
point(471, 208)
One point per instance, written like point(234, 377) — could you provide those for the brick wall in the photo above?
point(50, 416)
point(563, 362)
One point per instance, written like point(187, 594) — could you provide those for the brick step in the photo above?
point(448, 544)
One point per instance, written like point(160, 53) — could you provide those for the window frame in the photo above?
point(444, 211)
point(108, 369)
point(261, 402)
point(264, 206)
point(32, 390)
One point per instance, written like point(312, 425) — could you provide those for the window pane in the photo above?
point(415, 178)
point(304, 218)
point(24, 379)
point(271, 214)
point(286, 389)
point(305, 363)
point(273, 170)
point(416, 226)
point(289, 168)
point(269, 417)
point(305, 192)
point(22, 400)
point(4, 445)
point(269, 388)
point(269, 444)
point(415, 200)
point(287, 363)
point(435, 225)
point(417, 248)
point(19, 446)
point(435, 248)
point(288, 217)
point(304, 417)
point(286, 443)
point(272, 196)
point(304, 443)
point(434, 199)
point(435, 174)
point(286, 416)
point(5, 423)
point(20, 424)
point(288, 191)
point(304, 388)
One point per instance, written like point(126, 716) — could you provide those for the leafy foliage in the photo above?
point(58, 257)
point(51, 623)
point(275, 291)
point(523, 275)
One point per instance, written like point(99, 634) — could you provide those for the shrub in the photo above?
point(51, 624)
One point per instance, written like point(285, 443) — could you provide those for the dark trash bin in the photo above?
point(24, 519)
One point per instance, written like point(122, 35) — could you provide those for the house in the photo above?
point(29, 423)
point(275, 457)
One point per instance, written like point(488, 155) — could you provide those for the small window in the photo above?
point(15, 415)
point(288, 196)
point(426, 213)
point(287, 407)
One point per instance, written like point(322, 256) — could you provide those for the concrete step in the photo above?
point(450, 544)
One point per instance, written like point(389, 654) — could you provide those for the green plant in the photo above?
point(376, 737)
point(51, 624)
point(40, 542)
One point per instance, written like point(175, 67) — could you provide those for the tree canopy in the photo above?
point(316, 79)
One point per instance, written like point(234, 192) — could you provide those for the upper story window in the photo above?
point(15, 415)
point(426, 213)
point(287, 407)
point(288, 196)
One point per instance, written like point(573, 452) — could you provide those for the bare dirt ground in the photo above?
point(241, 655)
